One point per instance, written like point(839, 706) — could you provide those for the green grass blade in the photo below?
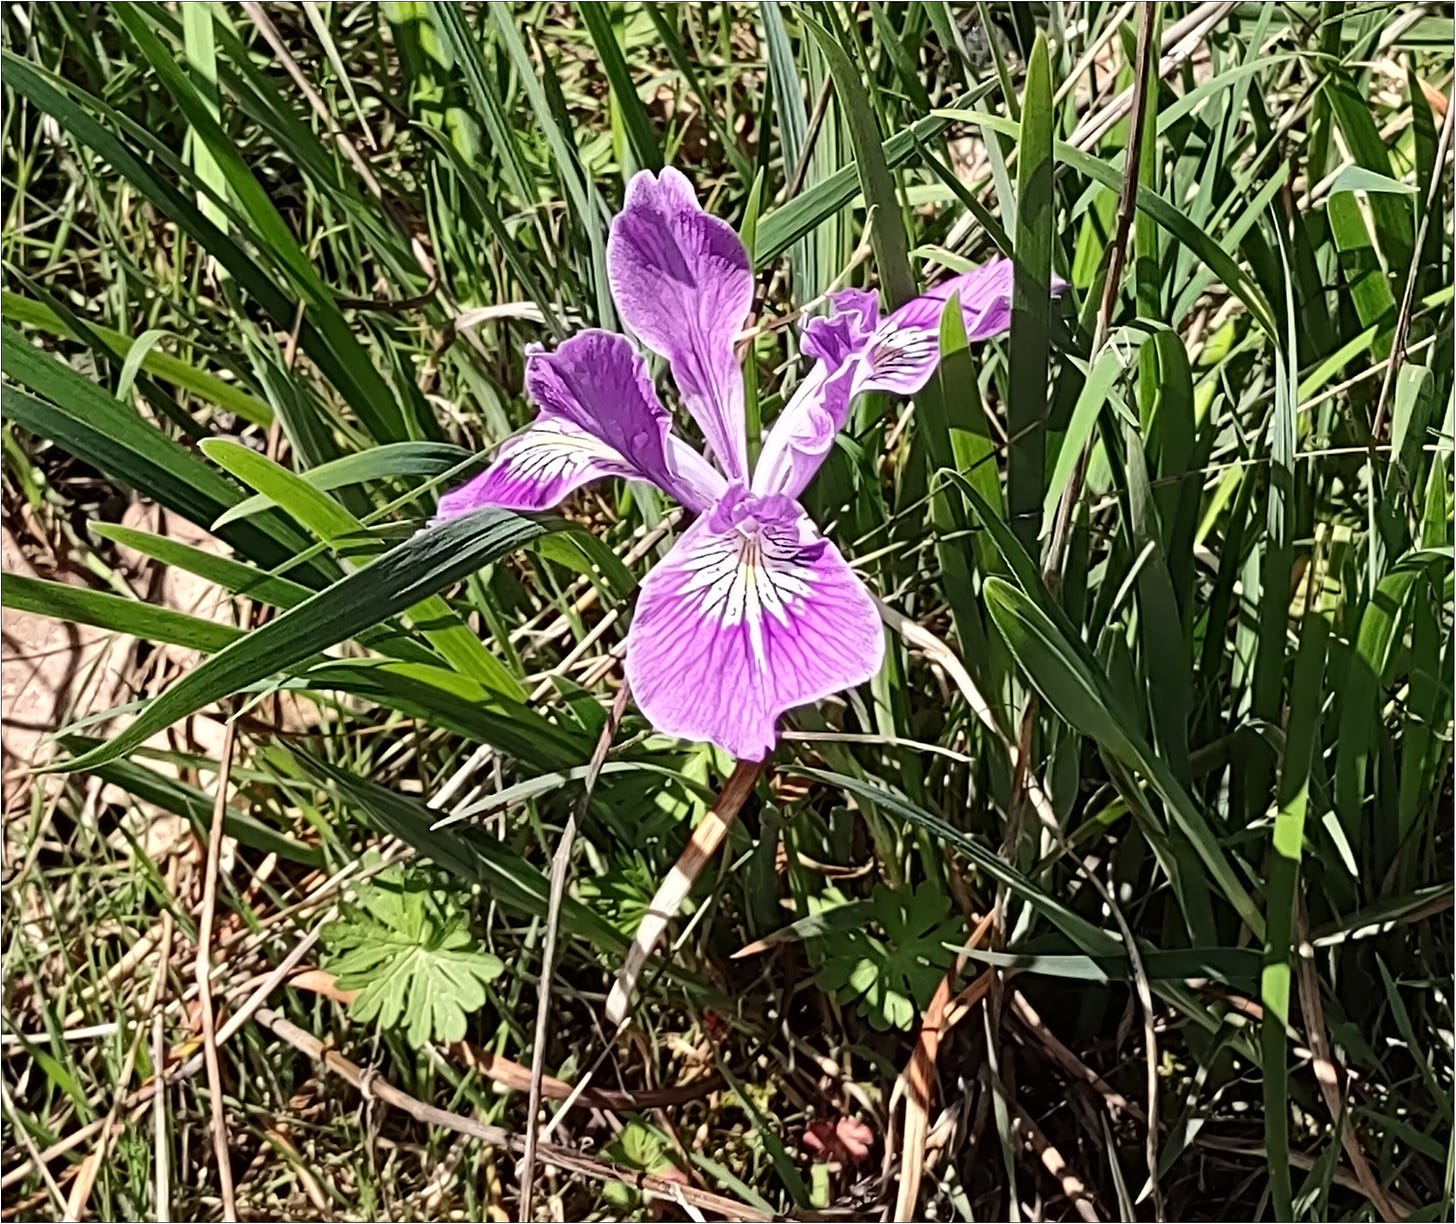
point(377, 463)
point(201, 49)
point(334, 525)
point(1086, 935)
point(181, 374)
point(1164, 213)
point(442, 698)
point(338, 354)
point(107, 610)
point(1380, 626)
point(468, 54)
point(399, 579)
point(1160, 621)
point(643, 140)
point(887, 233)
point(568, 168)
point(369, 396)
point(683, 64)
point(91, 425)
point(471, 855)
point(780, 229)
point(1281, 897)
point(1027, 373)
point(172, 795)
point(1084, 701)
point(953, 390)
point(310, 507)
point(783, 76)
point(1091, 400)
point(234, 576)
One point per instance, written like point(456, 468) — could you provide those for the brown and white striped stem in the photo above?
point(706, 839)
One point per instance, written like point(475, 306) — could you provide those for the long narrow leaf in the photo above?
point(422, 566)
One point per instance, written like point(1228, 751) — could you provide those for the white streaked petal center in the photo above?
point(900, 351)
point(748, 574)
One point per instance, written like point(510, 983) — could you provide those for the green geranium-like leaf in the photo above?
point(412, 960)
point(890, 967)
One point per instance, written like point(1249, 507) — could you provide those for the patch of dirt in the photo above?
point(55, 672)
point(51, 672)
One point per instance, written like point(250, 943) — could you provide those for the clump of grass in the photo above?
point(1146, 820)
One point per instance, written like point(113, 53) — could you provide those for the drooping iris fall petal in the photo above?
point(905, 349)
point(985, 294)
point(751, 614)
point(682, 282)
point(599, 417)
point(536, 469)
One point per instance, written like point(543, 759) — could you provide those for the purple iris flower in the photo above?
point(752, 612)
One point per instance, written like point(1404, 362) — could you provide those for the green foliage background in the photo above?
point(272, 268)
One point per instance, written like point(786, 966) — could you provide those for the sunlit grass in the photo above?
point(1163, 736)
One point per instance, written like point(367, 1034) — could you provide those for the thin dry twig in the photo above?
point(1326, 1071)
point(204, 977)
point(260, 19)
point(1055, 1163)
point(548, 1153)
point(161, 1163)
point(513, 1076)
point(1112, 285)
point(560, 866)
point(811, 137)
point(1068, 1061)
point(1408, 295)
point(37, 1158)
point(181, 1071)
point(111, 1130)
point(920, 1074)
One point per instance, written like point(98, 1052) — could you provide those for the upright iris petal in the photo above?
point(681, 280)
point(800, 439)
point(806, 428)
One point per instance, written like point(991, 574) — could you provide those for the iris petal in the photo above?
point(535, 470)
point(597, 380)
point(857, 352)
point(599, 417)
point(682, 282)
point(751, 614)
